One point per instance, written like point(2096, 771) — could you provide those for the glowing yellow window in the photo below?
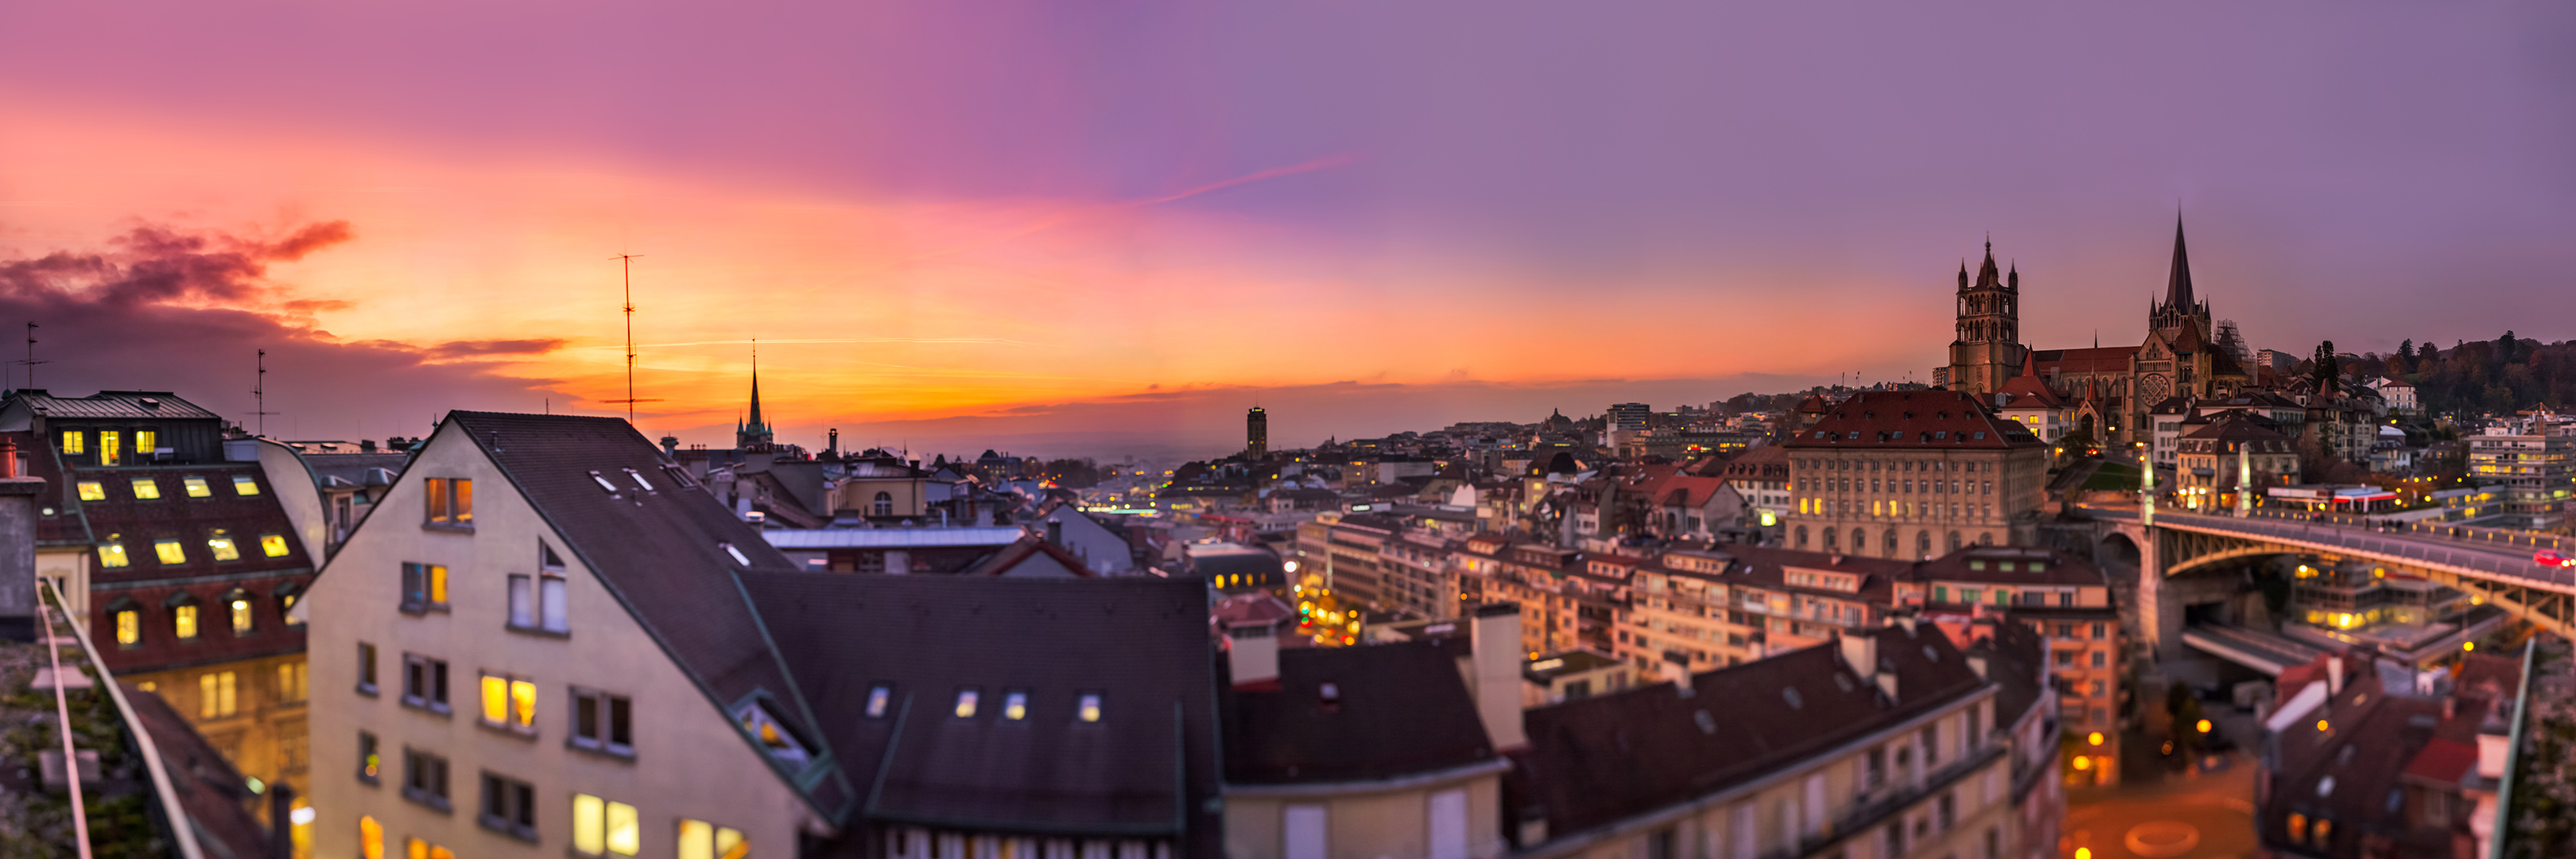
point(496, 699)
point(223, 547)
point(183, 621)
point(438, 585)
point(170, 551)
point(75, 442)
point(523, 701)
point(702, 840)
point(111, 447)
point(197, 487)
point(273, 545)
point(146, 488)
point(625, 829)
point(371, 838)
point(244, 484)
point(241, 616)
point(129, 627)
point(112, 555)
point(91, 490)
point(146, 441)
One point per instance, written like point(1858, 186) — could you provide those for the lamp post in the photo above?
point(2146, 488)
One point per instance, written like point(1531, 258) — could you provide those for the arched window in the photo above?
point(885, 504)
point(1986, 539)
point(1833, 539)
point(1890, 541)
point(1923, 543)
point(1954, 541)
point(1802, 536)
point(1860, 540)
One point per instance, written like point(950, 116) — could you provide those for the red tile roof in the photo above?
point(1913, 420)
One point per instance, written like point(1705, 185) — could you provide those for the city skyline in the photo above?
point(1103, 237)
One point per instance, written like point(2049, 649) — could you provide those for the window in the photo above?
point(366, 668)
point(2098, 632)
point(370, 762)
point(1448, 829)
point(638, 477)
point(702, 840)
point(290, 682)
point(1087, 707)
point(966, 703)
point(129, 627)
point(146, 489)
point(221, 545)
point(111, 447)
point(414, 848)
point(450, 501)
point(146, 441)
point(1302, 832)
point(425, 682)
point(74, 444)
point(509, 806)
point(371, 838)
point(272, 545)
point(1015, 706)
point(170, 551)
point(91, 490)
point(244, 484)
point(773, 736)
point(884, 505)
point(537, 602)
point(879, 696)
point(197, 487)
point(1946, 811)
point(286, 600)
point(237, 606)
point(1873, 769)
point(603, 827)
point(111, 555)
point(424, 587)
point(1931, 747)
point(602, 722)
point(217, 695)
point(425, 779)
point(183, 620)
point(2099, 658)
point(510, 702)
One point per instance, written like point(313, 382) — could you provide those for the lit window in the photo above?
point(111, 447)
point(451, 500)
point(879, 696)
point(112, 555)
point(146, 441)
point(286, 609)
point(217, 694)
point(244, 484)
point(129, 627)
point(764, 726)
point(966, 703)
point(91, 490)
point(183, 622)
point(221, 544)
point(170, 551)
point(625, 833)
point(73, 443)
point(509, 702)
point(146, 489)
point(371, 763)
point(290, 681)
point(702, 840)
point(197, 487)
point(1015, 706)
point(1088, 706)
point(371, 838)
point(272, 545)
point(240, 609)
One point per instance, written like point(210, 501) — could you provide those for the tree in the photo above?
point(2406, 350)
point(2427, 353)
point(2504, 348)
point(2328, 369)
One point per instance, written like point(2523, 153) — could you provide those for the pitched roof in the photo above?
point(1146, 767)
point(1396, 709)
point(662, 552)
point(2012, 565)
point(2099, 359)
point(137, 405)
point(1927, 420)
point(1595, 761)
point(2028, 391)
point(2178, 281)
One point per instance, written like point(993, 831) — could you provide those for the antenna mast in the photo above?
point(626, 262)
point(31, 361)
point(259, 394)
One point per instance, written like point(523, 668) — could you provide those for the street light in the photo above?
point(2094, 738)
point(2204, 726)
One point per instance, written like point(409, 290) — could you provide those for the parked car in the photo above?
point(2552, 558)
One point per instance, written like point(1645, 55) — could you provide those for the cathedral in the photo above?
point(2112, 388)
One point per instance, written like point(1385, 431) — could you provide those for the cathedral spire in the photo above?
point(755, 383)
point(2178, 284)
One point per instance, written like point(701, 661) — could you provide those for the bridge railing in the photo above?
point(2447, 530)
point(2478, 557)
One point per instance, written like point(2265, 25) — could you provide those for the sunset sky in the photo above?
point(1110, 227)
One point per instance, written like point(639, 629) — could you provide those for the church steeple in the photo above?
point(755, 432)
point(2178, 283)
point(2180, 308)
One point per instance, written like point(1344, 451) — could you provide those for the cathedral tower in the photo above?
point(1988, 347)
point(1256, 434)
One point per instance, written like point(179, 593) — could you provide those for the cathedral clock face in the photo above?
point(2152, 389)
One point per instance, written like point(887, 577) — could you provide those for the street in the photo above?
point(2158, 815)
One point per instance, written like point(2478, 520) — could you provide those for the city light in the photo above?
point(2083, 763)
point(2094, 738)
point(2204, 726)
point(2321, 726)
point(2468, 645)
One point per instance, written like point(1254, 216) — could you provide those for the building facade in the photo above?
point(1914, 474)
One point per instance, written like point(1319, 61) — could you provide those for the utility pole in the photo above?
point(626, 263)
point(259, 395)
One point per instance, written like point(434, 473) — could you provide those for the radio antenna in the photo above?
point(259, 394)
point(31, 361)
point(626, 262)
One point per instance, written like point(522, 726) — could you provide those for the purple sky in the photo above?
point(1663, 191)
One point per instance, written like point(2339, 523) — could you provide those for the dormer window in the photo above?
point(966, 700)
point(773, 736)
point(880, 697)
point(1015, 706)
point(1087, 707)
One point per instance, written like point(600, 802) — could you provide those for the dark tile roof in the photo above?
point(1598, 760)
point(661, 552)
point(113, 405)
point(2056, 567)
point(1146, 768)
point(1398, 709)
point(1913, 420)
point(214, 795)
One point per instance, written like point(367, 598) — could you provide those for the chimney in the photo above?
point(1860, 652)
point(1252, 655)
point(2334, 675)
point(1675, 669)
point(1495, 639)
point(1977, 663)
point(1055, 531)
point(17, 547)
point(835, 445)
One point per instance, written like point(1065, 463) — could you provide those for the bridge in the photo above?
point(2492, 567)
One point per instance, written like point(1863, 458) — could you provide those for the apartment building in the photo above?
point(1760, 477)
point(184, 560)
point(1913, 474)
point(1881, 745)
point(2062, 598)
point(1710, 608)
point(1565, 602)
point(2223, 449)
point(2367, 759)
point(2534, 462)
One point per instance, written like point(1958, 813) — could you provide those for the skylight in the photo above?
point(774, 737)
point(738, 556)
point(639, 480)
point(603, 483)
